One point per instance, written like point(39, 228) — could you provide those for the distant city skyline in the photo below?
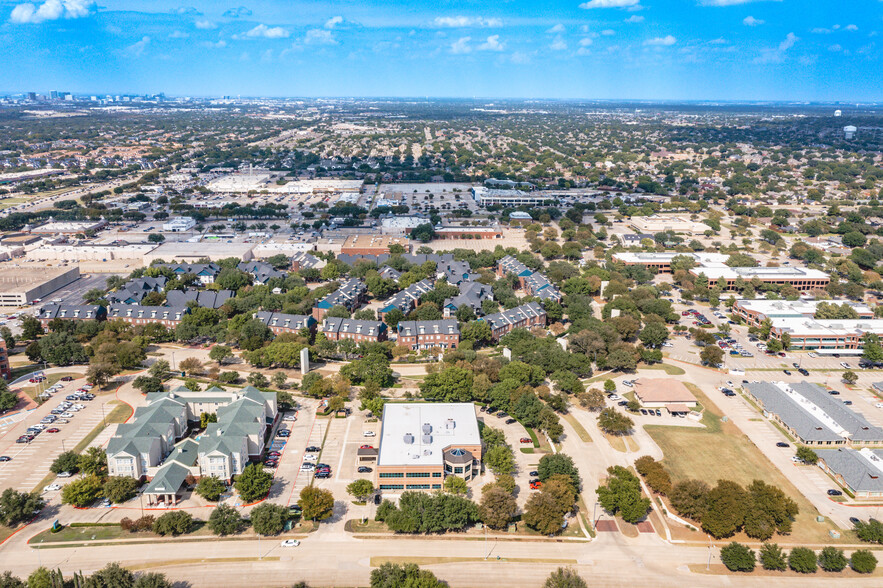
point(674, 50)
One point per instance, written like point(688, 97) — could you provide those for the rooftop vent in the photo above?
point(427, 439)
point(449, 424)
point(409, 438)
point(427, 428)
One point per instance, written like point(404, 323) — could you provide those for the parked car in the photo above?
point(290, 543)
point(5, 458)
point(312, 448)
point(369, 434)
point(782, 444)
point(364, 470)
point(534, 474)
point(51, 488)
point(845, 365)
point(53, 430)
point(283, 433)
point(787, 372)
point(510, 421)
point(525, 440)
point(833, 492)
point(67, 379)
point(536, 485)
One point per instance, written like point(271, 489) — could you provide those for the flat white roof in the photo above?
point(449, 424)
point(763, 273)
point(805, 307)
point(703, 259)
point(810, 327)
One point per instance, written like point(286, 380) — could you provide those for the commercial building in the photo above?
point(860, 471)
point(419, 335)
point(372, 244)
point(666, 393)
point(661, 262)
point(141, 315)
point(147, 448)
point(179, 225)
point(801, 279)
point(351, 294)
point(286, 323)
point(22, 286)
point(521, 317)
point(51, 312)
point(500, 197)
point(86, 251)
point(69, 227)
point(421, 444)
point(401, 225)
point(337, 329)
point(406, 300)
point(826, 336)
point(755, 312)
point(659, 223)
point(186, 252)
point(813, 416)
point(461, 232)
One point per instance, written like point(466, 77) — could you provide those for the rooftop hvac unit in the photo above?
point(427, 428)
point(409, 439)
point(449, 424)
point(427, 439)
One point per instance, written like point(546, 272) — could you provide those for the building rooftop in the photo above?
point(417, 433)
point(797, 308)
point(764, 273)
point(662, 390)
point(703, 259)
point(861, 469)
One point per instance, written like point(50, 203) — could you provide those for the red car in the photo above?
point(53, 430)
point(366, 447)
point(536, 485)
point(525, 440)
point(274, 454)
point(67, 379)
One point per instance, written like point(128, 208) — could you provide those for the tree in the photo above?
point(220, 353)
point(176, 522)
point(100, 374)
point(192, 366)
point(806, 455)
point(148, 384)
point(210, 488)
point(159, 368)
point(802, 560)
point(207, 417)
point(392, 575)
point(559, 463)
point(499, 460)
point(65, 462)
point(452, 384)
point(7, 580)
point(156, 238)
point(615, 423)
point(850, 377)
point(832, 559)
point(258, 380)
point(224, 520)
point(738, 558)
point(870, 532)
point(253, 483)
point(8, 400)
point(772, 557)
point(119, 489)
point(317, 504)
point(30, 328)
point(18, 507)
point(82, 492)
point(689, 498)
point(863, 561)
point(93, 462)
point(113, 575)
point(542, 513)
point(279, 379)
point(268, 518)
point(360, 489)
point(622, 494)
point(498, 507)
point(726, 505)
point(455, 485)
point(622, 360)
point(152, 580)
point(43, 578)
point(711, 355)
point(564, 578)
point(653, 335)
point(593, 399)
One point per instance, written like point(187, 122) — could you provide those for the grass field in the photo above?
point(671, 370)
point(722, 451)
point(51, 379)
point(580, 430)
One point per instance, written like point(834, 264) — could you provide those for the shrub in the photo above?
point(772, 557)
point(737, 557)
point(870, 532)
point(224, 520)
point(120, 488)
point(832, 559)
point(145, 523)
point(268, 518)
point(173, 523)
point(803, 560)
point(210, 488)
point(863, 561)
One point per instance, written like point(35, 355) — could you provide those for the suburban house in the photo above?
point(338, 329)
point(350, 294)
point(406, 300)
point(521, 317)
point(286, 323)
point(418, 335)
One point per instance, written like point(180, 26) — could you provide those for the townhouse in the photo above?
point(261, 272)
point(419, 335)
point(338, 329)
point(88, 312)
point(521, 317)
point(407, 299)
point(135, 290)
point(167, 316)
point(279, 322)
point(203, 298)
point(350, 294)
point(206, 272)
point(472, 294)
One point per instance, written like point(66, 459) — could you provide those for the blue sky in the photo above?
point(816, 50)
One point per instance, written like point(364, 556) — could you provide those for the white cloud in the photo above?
point(319, 37)
point(789, 41)
point(178, 35)
point(263, 30)
point(558, 44)
point(835, 48)
point(186, 10)
point(219, 45)
point(608, 32)
point(29, 13)
point(750, 21)
point(137, 49)
point(661, 41)
point(609, 4)
point(635, 18)
point(718, 41)
point(333, 22)
point(237, 12)
point(492, 43)
point(205, 25)
point(777, 55)
point(730, 2)
point(851, 27)
point(558, 28)
point(583, 51)
point(585, 42)
point(461, 46)
point(466, 21)
point(520, 58)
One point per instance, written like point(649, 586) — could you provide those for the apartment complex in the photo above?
point(471, 295)
point(351, 294)
point(422, 443)
point(83, 312)
point(533, 283)
point(338, 329)
point(279, 322)
point(813, 416)
point(406, 300)
point(167, 316)
point(521, 317)
point(418, 335)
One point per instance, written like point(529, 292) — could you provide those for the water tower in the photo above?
point(838, 113)
point(849, 132)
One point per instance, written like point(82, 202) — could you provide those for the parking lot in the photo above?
point(30, 462)
point(73, 292)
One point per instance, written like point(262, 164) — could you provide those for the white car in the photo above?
point(845, 365)
point(290, 543)
point(307, 467)
point(813, 355)
point(615, 397)
point(67, 415)
point(796, 459)
point(311, 457)
point(64, 475)
point(369, 434)
point(667, 344)
point(79, 406)
point(879, 405)
point(51, 488)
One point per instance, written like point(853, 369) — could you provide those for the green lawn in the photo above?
point(722, 451)
point(580, 430)
point(671, 370)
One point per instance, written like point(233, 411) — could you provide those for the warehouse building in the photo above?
point(22, 286)
point(372, 244)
